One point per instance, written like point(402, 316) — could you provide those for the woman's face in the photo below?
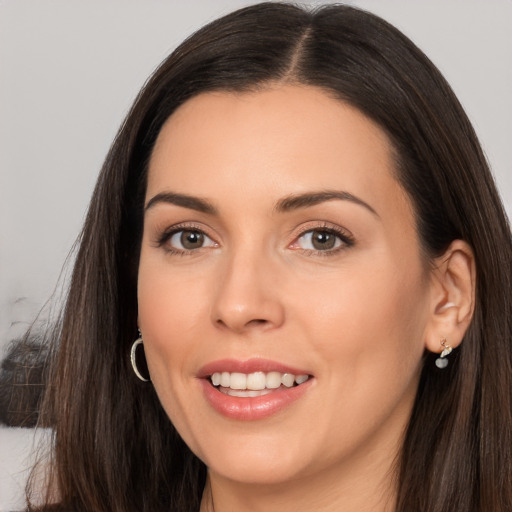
point(280, 260)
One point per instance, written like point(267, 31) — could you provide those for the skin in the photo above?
point(358, 317)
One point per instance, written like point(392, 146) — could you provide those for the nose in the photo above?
point(247, 297)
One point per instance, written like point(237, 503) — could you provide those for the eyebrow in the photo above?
point(289, 203)
point(295, 202)
point(186, 201)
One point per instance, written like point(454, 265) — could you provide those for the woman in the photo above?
point(296, 228)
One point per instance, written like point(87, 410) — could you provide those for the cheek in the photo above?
point(165, 310)
point(365, 295)
point(170, 313)
point(365, 335)
point(169, 302)
point(368, 322)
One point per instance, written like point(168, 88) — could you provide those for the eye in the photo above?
point(319, 240)
point(322, 240)
point(189, 240)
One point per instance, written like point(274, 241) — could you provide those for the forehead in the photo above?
point(283, 140)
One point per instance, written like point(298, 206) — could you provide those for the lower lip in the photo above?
point(252, 408)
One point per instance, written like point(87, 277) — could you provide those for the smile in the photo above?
point(253, 389)
point(254, 384)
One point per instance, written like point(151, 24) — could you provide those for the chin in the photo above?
point(257, 458)
point(257, 470)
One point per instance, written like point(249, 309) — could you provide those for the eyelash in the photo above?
point(345, 238)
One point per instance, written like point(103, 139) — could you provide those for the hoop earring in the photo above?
point(133, 359)
point(441, 361)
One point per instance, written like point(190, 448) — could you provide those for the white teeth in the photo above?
point(273, 380)
point(255, 382)
point(288, 379)
point(246, 392)
point(225, 379)
point(238, 381)
point(301, 378)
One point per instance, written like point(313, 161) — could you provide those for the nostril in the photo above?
point(257, 321)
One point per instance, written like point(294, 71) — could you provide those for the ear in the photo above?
point(453, 285)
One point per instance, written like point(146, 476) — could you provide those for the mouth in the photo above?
point(254, 384)
point(253, 389)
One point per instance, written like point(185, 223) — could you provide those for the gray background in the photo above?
point(69, 71)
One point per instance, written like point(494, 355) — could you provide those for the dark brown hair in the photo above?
point(114, 447)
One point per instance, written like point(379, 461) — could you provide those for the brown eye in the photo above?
point(319, 240)
point(190, 240)
point(322, 240)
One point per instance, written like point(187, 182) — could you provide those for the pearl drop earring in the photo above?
point(441, 361)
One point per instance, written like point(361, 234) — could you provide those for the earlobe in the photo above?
point(453, 285)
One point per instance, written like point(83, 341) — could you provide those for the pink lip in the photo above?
point(251, 408)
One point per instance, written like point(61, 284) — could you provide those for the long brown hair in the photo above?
point(114, 447)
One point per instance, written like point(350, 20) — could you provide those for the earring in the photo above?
point(441, 361)
point(133, 358)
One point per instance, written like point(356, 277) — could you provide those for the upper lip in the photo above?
point(248, 366)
